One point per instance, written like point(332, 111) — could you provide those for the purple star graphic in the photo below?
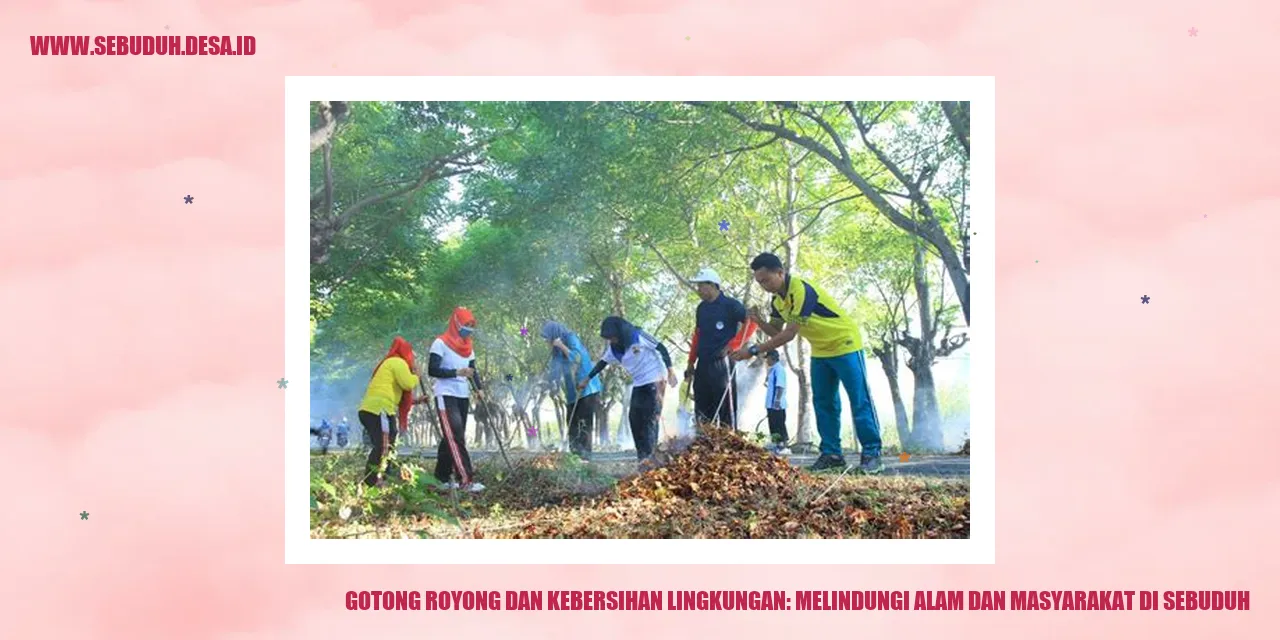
point(188, 199)
point(1192, 32)
point(524, 332)
point(1146, 299)
point(724, 225)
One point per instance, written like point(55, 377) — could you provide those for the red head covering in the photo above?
point(744, 334)
point(453, 338)
point(400, 348)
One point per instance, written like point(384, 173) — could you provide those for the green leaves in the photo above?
point(578, 210)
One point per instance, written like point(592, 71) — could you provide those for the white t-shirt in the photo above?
point(449, 359)
point(641, 360)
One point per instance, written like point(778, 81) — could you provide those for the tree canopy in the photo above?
point(573, 211)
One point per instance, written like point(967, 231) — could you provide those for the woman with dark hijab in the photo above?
point(644, 357)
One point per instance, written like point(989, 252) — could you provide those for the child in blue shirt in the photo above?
point(775, 402)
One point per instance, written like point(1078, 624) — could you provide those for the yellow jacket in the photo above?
point(389, 382)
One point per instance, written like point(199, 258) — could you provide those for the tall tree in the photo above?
point(879, 283)
point(382, 173)
point(575, 211)
point(830, 129)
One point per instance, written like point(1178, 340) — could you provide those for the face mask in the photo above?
point(465, 331)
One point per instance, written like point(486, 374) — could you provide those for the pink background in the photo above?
point(1136, 442)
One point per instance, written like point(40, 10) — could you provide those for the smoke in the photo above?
point(750, 392)
point(334, 400)
point(685, 419)
point(751, 410)
point(954, 401)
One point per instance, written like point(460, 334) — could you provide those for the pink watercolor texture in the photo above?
point(1135, 443)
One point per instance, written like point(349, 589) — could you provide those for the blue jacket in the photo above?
point(562, 368)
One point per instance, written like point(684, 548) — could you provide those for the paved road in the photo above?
point(936, 466)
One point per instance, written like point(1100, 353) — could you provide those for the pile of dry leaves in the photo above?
point(722, 486)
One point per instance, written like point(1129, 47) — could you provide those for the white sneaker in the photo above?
point(475, 487)
point(783, 451)
point(451, 485)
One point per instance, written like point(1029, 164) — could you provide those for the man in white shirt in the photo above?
point(775, 402)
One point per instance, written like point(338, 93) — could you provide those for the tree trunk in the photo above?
point(957, 114)
point(428, 420)
point(930, 230)
point(520, 417)
point(927, 435)
point(888, 356)
point(530, 432)
point(804, 425)
point(619, 305)
point(800, 366)
point(561, 409)
point(536, 414)
point(480, 418)
point(331, 114)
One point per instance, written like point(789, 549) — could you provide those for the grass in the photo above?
point(721, 487)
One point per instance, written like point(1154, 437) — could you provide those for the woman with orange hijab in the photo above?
point(452, 362)
point(386, 404)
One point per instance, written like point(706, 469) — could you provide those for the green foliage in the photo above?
point(338, 495)
point(575, 211)
point(953, 401)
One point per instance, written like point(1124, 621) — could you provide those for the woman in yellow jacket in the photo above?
point(385, 408)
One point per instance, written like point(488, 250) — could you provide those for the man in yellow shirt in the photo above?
point(800, 308)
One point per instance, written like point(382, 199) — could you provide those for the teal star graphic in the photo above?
point(84, 515)
point(282, 383)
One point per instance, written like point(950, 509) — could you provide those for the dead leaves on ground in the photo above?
point(553, 478)
point(718, 485)
point(722, 486)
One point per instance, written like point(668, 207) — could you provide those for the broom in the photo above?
point(501, 447)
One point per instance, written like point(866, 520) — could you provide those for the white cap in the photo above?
point(706, 275)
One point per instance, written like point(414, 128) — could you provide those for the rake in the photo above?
point(502, 448)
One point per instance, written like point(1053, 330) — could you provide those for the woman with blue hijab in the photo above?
point(571, 362)
point(644, 357)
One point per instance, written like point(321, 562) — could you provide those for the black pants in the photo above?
point(322, 437)
point(709, 380)
point(582, 423)
point(453, 418)
point(644, 419)
point(778, 425)
point(373, 432)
